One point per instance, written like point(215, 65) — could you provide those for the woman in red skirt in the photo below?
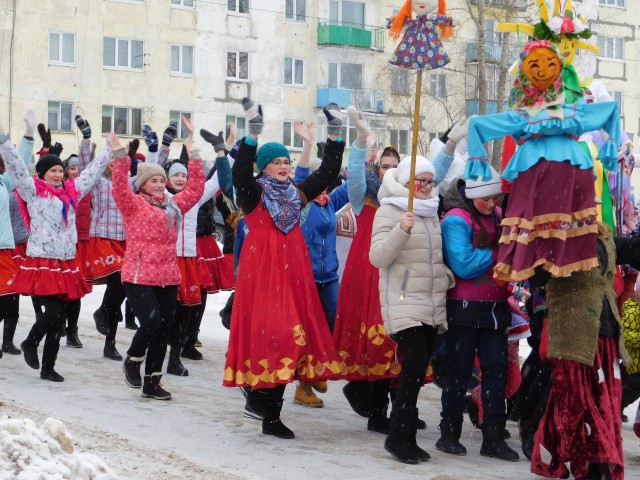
point(49, 272)
point(278, 330)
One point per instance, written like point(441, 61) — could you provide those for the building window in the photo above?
point(59, 116)
point(438, 85)
point(240, 123)
point(347, 13)
point(617, 97)
point(612, 3)
point(296, 10)
point(611, 47)
point(293, 71)
point(62, 48)
point(238, 6)
point(345, 75)
point(175, 118)
point(400, 139)
point(123, 54)
point(289, 137)
point(238, 65)
point(183, 3)
point(121, 120)
point(400, 81)
point(182, 59)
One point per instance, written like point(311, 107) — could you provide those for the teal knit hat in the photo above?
point(268, 152)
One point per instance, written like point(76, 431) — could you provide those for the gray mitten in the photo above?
point(334, 119)
point(253, 114)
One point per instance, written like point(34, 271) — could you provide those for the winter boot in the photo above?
point(271, 423)
point(493, 444)
point(629, 396)
point(225, 313)
point(30, 351)
point(7, 337)
point(153, 389)
point(101, 317)
point(129, 318)
point(51, 375)
point(358, 395)
point(378, 421)
point(526, 436)
point(49, 356)
point(401, 441)
point(304, 396)
point(320, 387)
point(72, 338)
point(174, 365)
point(449, 441)
point(131, 369)
point(251, 412)
point(192, 354)
point(110, 351)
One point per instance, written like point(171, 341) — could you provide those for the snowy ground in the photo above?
point(201, 433)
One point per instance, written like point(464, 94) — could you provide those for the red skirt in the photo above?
point(582, 423)
point(48, 276)
point(365, 349)
point(215, 271)
point(81, 258)
point(8, 271)
point(190, 280)
point(19, 253)
point(550, 222)
point(104, 257)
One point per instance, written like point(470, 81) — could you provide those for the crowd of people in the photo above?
point(439, 284)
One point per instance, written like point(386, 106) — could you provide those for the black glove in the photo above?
point(169, 134)
point(45, 135)
point(254, 115)
point(84, 127)
point(216, 140)
point(133, 148)
point(56, 149)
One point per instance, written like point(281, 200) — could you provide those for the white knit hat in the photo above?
point(148, 170)
point(422, 166)
point(177, 167)
point(481, 189)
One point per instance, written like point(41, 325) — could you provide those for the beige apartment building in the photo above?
point(124, 63)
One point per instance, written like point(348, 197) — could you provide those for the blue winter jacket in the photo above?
point(319, 230)
point(25, 150)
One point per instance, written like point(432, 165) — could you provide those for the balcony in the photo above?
point(493, 53)
point(473, 107)
point(332, 33)
point(365, 100)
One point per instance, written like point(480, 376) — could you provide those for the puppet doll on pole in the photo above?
point(550, 222)
point(420, 49)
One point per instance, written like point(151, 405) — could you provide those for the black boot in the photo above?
point(629, 395)
point(225, 313)
point(110, 351)
point(50, 355)
point(7, 337)
point(526, 435)
point(378, 421)
point(271, 423)
point(449, 441)
point(174, 365)
point(493, 444)
point(131, 369)
point(358, 394)
point(51, 375)
point(101, 317)
point(72, 338)
point(153, 389)
point(30, 351)
point(401, 441)
point(192, 353)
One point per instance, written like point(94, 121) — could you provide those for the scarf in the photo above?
point(67, 194)
point(373, 185)
point(282, 200)
point(525, 96)
point(322, 199)
point(171, 210)
point(422, 208)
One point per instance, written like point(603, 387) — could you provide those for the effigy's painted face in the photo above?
point(542, 66)
point(424, 7)
point(567, 48)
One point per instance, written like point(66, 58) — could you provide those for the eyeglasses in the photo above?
point(426, 183)
point(279, 163)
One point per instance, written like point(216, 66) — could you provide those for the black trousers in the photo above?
point(48, 324)
point(155, 308)
point(9, 307)
point(114, 295)
point(416, 347)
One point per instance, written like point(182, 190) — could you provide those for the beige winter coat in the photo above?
point(413, 277)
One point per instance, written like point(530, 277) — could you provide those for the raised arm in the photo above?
point(194, 190)
point(84, 152)
point(248, 191)
point(329, 169)
point(90, 175)
point(302, 168)
point(121, 189)
point(357, 183)
point(17, 170)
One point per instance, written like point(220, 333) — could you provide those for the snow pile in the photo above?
point(28, 452)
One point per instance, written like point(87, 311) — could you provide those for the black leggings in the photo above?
point(184, 331)
point(155, 308)
point(9, 307)
point(114, 295)
point(72, 313)
point(416, 347)
point(48, 324)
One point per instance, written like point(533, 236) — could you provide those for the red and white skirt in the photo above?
point(104, 257)
point(82, 248)
point(49, 276)
point(190, 282)
point(8, 271)
point(216, 272)
point(19, 253)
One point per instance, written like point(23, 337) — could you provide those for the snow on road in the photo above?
point(202, 434)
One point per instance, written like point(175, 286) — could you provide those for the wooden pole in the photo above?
point(414, 139)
